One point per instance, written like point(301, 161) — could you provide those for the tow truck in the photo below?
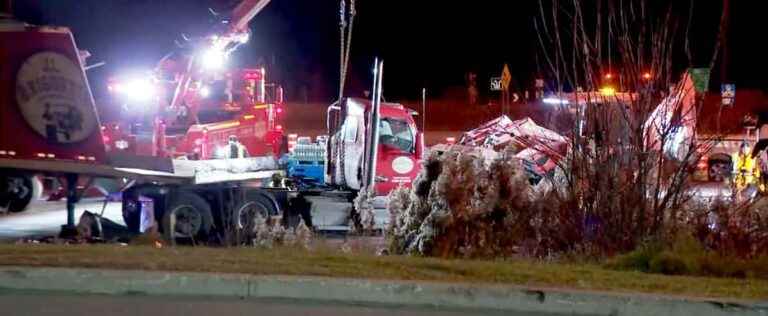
point(191, 103)
point(49, 126)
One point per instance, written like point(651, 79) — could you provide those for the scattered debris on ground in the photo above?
point(271, 234)
point(96, 228)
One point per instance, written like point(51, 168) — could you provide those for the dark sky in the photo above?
point(425, 43)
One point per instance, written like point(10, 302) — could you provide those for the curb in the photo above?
point(356, 291)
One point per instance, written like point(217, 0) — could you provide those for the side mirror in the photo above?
point(333, 118)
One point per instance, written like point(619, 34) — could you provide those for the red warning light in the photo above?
point(647, 76)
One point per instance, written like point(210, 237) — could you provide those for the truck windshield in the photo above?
point(396, 133)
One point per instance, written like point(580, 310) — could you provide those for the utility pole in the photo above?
point(724, 40)
point(423, 110)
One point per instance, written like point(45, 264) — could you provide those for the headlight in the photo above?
point(137, 89)
point(213, 59)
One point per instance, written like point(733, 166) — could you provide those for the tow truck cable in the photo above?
point(346, 45)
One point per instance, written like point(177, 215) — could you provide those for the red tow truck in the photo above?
point(191, 103)
point(199, 128)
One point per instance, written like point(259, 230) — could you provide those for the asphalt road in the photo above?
point(45, 218)
point(47, 304)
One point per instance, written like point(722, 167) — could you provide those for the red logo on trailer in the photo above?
point(53, 98)
point(46, 108)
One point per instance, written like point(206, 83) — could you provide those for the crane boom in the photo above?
point(241, 15)
point(244, 13)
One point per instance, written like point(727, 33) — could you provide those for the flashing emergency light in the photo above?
point(254, 74)
point(647, 76)
point(608, 91)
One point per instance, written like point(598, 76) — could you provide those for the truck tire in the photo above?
point(187, 217)
point(250, 214)
point(17, 191)
point(719, 170)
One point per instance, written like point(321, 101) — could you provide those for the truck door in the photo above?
point(397, 162)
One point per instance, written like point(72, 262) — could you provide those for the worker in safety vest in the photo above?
point(762, 164)
point(745, 168)
point(236, 148)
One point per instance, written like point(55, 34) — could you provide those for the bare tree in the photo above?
point(631, 122)
point(633, 137)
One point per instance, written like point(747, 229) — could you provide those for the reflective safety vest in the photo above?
point(745, 171)
point(744, 164)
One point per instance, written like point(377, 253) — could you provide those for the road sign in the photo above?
point(496, 84)
point(506, 78)
point(728, 93)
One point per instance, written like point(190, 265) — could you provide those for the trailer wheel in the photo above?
point(187, 217)
point(251, 214)
point(18, 190)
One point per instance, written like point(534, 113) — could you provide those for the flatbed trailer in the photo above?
point(186, 200)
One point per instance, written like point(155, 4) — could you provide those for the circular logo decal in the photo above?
point(402, 165)
point(53, 98)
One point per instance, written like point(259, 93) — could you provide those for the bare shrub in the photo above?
point(363, 219)
point(460, 207)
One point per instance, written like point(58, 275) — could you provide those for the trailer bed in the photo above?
point(168, 171)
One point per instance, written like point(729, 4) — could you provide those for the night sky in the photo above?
point(424, 43)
